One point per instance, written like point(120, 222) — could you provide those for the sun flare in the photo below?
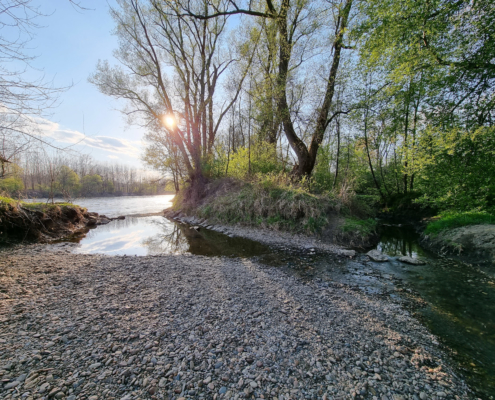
point(169, 121)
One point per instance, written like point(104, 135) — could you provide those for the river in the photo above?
point(122, 205)
point(458, 298)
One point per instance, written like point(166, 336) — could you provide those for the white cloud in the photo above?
point(114, 157)
point(54, 131)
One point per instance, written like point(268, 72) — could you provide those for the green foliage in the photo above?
point(12, 184)
point(215, 166)
point(92, 184)
point(322, 176)
point(67, 182)
point(362, 227)
point(456, 169)
point(450, 43)
point(263, 156)
point(456, 220)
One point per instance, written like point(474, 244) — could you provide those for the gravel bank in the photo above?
point(96, 327)
point(266, 236)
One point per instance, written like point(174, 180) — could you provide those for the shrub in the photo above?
point(456, 169)
point(263, 157)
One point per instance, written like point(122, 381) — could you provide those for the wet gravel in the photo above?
point(177, 327)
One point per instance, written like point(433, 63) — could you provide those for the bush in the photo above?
point(11, 185)
point(363, 227)
point(456, 169)
point(264, 160)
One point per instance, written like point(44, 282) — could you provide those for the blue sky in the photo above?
point(68, 48)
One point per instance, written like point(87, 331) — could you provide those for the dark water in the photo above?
point(461, 304)
point(460, 298)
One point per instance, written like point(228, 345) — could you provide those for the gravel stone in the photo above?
point(377, 256)
point(167, 326)
point(412, 261)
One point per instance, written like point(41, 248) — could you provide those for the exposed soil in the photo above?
point(44, 223)
point(475, 242)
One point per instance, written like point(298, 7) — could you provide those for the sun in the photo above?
point(169, 121)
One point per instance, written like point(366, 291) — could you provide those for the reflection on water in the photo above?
point(398, 240)
point(124, 205)
point(156, 235)
point(461, 303)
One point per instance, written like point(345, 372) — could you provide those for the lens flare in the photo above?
point(169, 121)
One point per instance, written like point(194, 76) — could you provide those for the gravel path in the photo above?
point(96, 327)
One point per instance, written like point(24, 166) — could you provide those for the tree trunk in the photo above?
point(307, 157)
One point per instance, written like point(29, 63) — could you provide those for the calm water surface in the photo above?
point(154, 235)
point(123, 205)
point(460, 303)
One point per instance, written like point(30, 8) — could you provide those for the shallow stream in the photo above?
point(457, 299)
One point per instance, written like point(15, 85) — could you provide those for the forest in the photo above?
point(36, 174)
point(389, 100)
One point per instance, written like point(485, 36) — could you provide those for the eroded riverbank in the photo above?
point(197, 327)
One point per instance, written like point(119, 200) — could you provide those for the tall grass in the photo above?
point(458, 219)
point(269, 200)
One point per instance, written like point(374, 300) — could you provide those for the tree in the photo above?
point(68, 182)
point(21, 98)
point(92, 184)
point(182, 113)
point(294, 22)
point(450, 43)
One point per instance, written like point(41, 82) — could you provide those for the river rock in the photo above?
point(412, 261)
point(346, 253)
point(11, 385)
point(376, 255)
point(276, 334)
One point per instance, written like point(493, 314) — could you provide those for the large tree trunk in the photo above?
point(307, 157)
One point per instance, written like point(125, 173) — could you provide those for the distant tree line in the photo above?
point(34, 174)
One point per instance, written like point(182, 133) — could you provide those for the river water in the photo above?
point(123, 205)
point(458, 298)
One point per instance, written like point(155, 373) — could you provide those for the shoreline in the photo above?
point(173, 326)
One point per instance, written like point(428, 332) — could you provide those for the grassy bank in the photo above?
point(451, 220)
point(276, 203)
point(7, 201)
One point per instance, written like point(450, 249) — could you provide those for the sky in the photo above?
point(68, 46)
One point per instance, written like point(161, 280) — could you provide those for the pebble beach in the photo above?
point(93, 327)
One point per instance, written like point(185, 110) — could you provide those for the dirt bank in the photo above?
point(96, 327)
point(476, 242)
point(44, 222)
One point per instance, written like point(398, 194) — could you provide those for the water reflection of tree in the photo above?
point(399, 241)
point(173, 239)
point(178, 238)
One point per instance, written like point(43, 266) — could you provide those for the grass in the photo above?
point(457, 220)
point(362, 227)
point(269, 203)
point(33, 206)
